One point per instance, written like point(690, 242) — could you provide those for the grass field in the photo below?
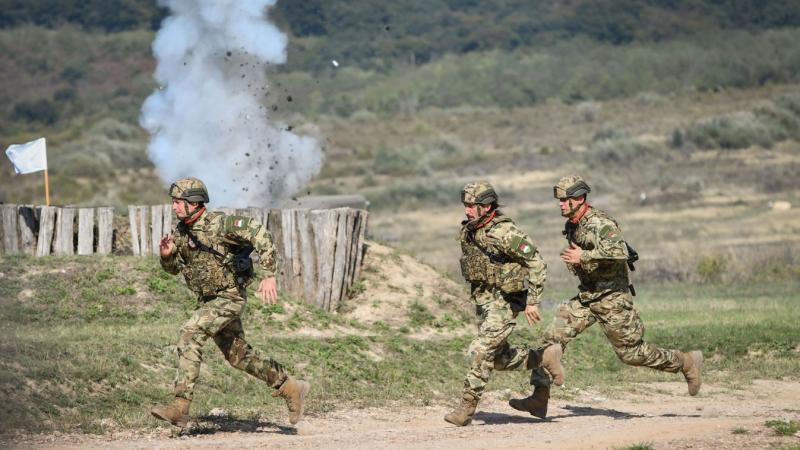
point(90, 345)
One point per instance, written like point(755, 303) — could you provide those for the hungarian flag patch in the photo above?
point(525, 248)
point(238, 223)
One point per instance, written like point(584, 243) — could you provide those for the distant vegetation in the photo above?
point(378, 35)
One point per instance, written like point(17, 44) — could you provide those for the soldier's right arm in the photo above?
point(172, 263)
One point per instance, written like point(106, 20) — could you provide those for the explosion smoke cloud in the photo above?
point(208, 119)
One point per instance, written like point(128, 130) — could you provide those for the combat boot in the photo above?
point(462, 415)
point(692, 368)
point(551, 361)
point(293, 391)
point(535, 404)
point(176, 413)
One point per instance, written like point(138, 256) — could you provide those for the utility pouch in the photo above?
point(241, 263)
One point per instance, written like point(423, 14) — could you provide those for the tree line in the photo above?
point(379, 35)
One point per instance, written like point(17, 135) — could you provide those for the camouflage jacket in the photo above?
point(206, 273)
point(501, 257)
point(603, 267)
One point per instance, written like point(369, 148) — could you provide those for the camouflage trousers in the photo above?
point(620, 323)
point(220, 319)
point(490, 350)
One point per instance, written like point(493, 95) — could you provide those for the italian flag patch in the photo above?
point(238, 223)
point(524, 248)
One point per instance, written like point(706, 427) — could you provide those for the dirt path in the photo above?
point(660, 415)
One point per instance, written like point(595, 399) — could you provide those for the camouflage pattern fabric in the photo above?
point(190, 189)
point(570, 186)
point(603, 267)
point(604, 298)
point(207, 274)
point(480, 192)
point(501, 286)
point(220, 318)
point(501, 256)
point(221, 295)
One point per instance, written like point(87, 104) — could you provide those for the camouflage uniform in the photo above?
point(221, 295)
point(604, 296)
point(506, 273)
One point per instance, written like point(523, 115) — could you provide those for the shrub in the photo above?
point(620, 151)
point(43, 111)
point(711, 267)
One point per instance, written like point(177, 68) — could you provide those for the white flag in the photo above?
point(28, 157)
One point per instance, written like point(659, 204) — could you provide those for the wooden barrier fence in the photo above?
point(46, 230)
point(320, 251)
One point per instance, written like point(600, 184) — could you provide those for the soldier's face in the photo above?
point(180, 209)
point(570, 205)
point(474, 210)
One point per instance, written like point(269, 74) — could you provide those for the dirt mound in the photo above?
point(397, 290)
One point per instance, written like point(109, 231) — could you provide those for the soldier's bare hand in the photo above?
point(167, 246)
point(268, 291)
point(572, 255)
point(532, 314)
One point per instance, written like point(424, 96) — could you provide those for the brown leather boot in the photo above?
point(551, 361)
point(692, 368)
point(535, 404)
point(176, 413)
point(462, 415)
point(293, 391)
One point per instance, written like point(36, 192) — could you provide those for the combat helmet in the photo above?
point(570, 186)
point(480, 192)
point(190, 189)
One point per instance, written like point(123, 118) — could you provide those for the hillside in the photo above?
point(406, 31)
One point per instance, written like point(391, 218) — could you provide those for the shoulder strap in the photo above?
point(203, 247)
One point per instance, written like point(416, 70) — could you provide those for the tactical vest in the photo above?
point(596, 275)
point(484, 263)
point(206, 273)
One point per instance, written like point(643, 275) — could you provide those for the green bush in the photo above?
point(711, 267)
point(783, 427)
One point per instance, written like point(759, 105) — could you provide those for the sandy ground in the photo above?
point(660, 415)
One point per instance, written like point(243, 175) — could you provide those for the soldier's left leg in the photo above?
point(496, 325)
point(206, 322)
point(245, 358)
point(625, 331)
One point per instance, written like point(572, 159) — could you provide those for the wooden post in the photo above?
point(133, 212)
point(362, 230)
point(85, 231)
point(348, 263)
point(341, 245)
point(307, 261)
point(10, 233)
point(157, 220)
point(28, 228)
point(166, 226)
point(65, 229)
point(144, 231)
point(323, 227)
point(47, 216)
point(105, 230)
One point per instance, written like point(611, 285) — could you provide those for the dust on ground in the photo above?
point(660, 415)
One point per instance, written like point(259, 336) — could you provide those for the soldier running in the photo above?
point(212, 251)
point(598, 255)
point(506, 275)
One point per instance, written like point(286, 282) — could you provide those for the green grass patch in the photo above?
point(78, 351)
point(783, 427)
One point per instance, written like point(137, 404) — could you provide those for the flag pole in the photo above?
point(46, 189)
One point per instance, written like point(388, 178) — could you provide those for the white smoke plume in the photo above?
point(208, 119)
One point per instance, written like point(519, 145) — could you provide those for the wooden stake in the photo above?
point(46, 189)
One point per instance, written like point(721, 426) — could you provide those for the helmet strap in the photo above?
point(481, 221)
point(192, 218)
point(577, 212)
